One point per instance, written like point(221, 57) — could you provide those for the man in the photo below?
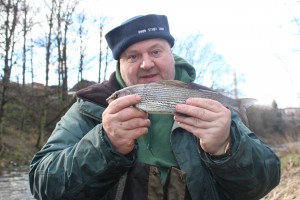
point(115, 151)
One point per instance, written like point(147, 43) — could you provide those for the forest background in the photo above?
point(60, 48)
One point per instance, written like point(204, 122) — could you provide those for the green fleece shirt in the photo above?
point(154, 148)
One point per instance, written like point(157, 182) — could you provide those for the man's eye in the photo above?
point(132, 58)
point(156, 53)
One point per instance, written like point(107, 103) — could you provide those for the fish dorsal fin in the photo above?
point(176, 83)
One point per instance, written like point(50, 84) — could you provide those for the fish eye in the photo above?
point(127, 92)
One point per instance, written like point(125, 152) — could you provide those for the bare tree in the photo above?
point(81, 19)
point(9, 21)
point(45, 103)
point(102, 23)
point(106, 62)
point(59, 48)
point(210, 66)
point(69, 10)
point(27, 25)
point(64, 20)
point(25, 11)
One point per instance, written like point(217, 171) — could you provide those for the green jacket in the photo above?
point(79, 162)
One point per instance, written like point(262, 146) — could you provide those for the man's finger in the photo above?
point(123, 102)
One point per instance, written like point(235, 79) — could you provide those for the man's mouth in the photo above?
point(149, 76)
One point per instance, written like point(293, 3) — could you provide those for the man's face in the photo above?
point(147, 61)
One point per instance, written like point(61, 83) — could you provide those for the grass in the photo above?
point(16, 149)
point(290, 160)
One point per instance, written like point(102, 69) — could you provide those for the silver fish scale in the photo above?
point(158, 98)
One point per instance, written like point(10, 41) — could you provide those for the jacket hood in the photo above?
point(98, 93)
point(183, 70)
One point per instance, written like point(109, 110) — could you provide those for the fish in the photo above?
point(161, 97)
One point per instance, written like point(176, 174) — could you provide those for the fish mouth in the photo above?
point(111, 98)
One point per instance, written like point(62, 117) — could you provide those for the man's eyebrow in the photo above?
point(155, 45)
point(126, 53)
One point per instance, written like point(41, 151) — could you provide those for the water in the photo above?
point(14, 185)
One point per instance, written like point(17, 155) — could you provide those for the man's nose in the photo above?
point(147, 62)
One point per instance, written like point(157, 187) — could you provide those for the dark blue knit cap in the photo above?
point(137, 29)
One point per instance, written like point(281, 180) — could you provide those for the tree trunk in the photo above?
point(44, 110)
point(11, 12)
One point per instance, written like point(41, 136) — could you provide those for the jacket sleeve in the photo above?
point(251, 171)
point(77, 160)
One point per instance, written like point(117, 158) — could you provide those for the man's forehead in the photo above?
point(146, 45)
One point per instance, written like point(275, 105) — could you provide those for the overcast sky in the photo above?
point(257, 37)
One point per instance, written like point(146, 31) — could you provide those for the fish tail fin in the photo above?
point(244, 104)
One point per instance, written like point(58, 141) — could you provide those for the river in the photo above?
point(14, 185)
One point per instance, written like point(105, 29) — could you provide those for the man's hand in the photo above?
point(208, 120)
point(124, 123)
